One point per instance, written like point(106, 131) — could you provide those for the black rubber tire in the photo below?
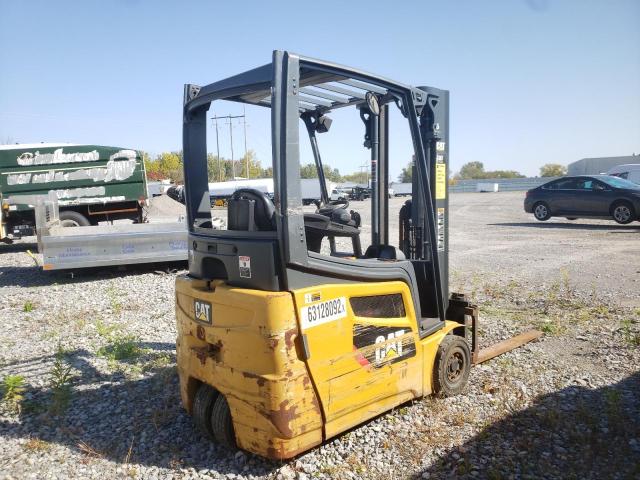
point(547, 214)
point(623, 204)
point(452, 366)
point(70, 217)
point(203, 402)
point(222, 424)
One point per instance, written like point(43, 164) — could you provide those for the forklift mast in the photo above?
point(273, 250)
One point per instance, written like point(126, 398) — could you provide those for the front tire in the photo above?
point(452, 366)
point(541, 211)
point(623, 212)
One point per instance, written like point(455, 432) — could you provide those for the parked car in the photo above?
point(629, 172)
point(594, 196)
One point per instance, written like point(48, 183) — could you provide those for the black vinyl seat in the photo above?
point(250, 210)
point(384, 252)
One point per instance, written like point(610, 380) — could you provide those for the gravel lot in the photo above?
point(563, 407)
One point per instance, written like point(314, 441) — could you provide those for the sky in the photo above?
point(531, 81)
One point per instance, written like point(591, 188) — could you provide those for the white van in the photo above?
point(630, 172)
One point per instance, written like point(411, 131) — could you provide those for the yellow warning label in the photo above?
point(441, 181)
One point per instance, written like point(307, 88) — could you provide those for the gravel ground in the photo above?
point(96, 351)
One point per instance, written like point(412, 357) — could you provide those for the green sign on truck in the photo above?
point(92, 183)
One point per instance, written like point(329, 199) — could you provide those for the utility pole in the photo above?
point(229, 119)
point(215, 120)
point(233, 163)
point(244, 121)
point(364, 169)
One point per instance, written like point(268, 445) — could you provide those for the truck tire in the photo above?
point(222, 424)
point(202, 406)
point(69, 218)
point(451, 367)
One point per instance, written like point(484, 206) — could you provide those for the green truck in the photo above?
point(92, 183)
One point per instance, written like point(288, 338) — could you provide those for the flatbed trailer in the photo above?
point(64, 248)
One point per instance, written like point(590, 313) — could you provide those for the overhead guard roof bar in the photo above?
point(317, 93)
point(338, 89)
point(363, 86)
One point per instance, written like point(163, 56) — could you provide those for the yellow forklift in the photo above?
point(284, 341)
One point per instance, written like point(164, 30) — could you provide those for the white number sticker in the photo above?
point(323, 312)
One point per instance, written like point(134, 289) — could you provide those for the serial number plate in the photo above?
point(323, 312)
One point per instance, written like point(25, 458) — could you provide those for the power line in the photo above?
point(229, 122)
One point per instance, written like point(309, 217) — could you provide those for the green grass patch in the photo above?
point(13, 387)
point(60, 378)
point(121, 347)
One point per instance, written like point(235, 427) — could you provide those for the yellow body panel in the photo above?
point(249, 355)
point(284, 397)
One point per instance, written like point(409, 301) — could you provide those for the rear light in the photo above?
point(527, 193)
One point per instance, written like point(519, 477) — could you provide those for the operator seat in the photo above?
point(384, 252)
point(250, 210)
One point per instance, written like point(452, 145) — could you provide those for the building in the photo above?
point(593, 166)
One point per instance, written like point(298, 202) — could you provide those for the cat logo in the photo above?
point(391, 349)
point(390, 344)
point(203, 311)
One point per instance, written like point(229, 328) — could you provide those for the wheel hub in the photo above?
point(454, 366)
point(622, 213)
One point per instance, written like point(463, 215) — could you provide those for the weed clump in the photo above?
point(13, 387)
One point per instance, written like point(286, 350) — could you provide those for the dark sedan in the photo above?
point(594, 196)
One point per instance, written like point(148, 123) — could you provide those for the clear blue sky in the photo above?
point(531, 81)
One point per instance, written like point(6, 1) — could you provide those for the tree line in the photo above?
point(168, 165)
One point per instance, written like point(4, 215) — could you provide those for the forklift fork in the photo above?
point(464, 312)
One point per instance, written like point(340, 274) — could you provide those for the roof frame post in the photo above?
point(285, 118)
point(194, 151)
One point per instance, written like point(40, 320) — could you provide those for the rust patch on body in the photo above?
point(259, 380)
point(282, 418)
point(290, 336)
point(281, 454)
point(208, 351)
point(316, 405)
point(200, 332)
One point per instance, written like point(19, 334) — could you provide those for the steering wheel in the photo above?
point(334, 205)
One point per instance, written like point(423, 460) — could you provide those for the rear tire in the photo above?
point(452, 365)
point(623, 212)
point(222, 424)
point(541, 211)
point(202, 406)
point(69, 218)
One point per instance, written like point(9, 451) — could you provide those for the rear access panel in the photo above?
point(244, 344)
